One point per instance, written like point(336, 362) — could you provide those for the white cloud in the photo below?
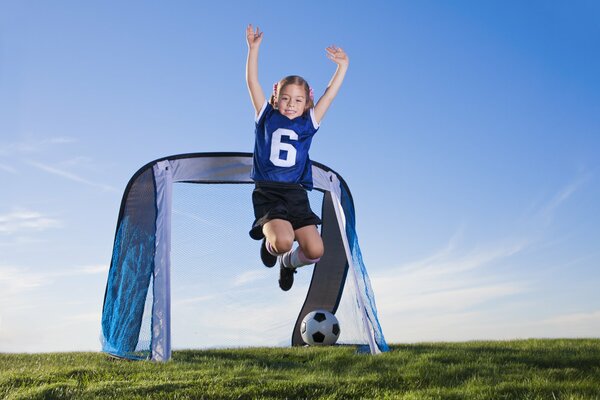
point(31, 145)
point(26, 221)
point(93, 269)
point(265, 318)
point(61, 140)
point(85, 317)
point(61, 169)
point(577, 324)
point(458, 299)
point(78, 162)
point(250, 277)
point(449, 261)
point(440, 296)
point(7, 168)
point(79, 271)
point(15, 280)
point(562, 196)
point(466, 293)
point(64, 304)
point(574, 319)
point(14, 241)
point(70, 176)
point(193, 300)
point(197, 218)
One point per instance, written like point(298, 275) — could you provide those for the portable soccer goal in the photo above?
point(185, 272)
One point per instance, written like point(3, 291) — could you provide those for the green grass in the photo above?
point(527, 369)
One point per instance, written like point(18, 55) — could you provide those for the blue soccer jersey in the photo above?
point(281, 147)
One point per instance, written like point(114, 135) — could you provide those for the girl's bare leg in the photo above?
point(310, 241)
point(280, 234)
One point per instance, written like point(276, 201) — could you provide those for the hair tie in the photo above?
point(275, 89)
point(311, 93)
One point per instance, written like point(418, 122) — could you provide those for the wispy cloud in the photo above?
point(79, 271)
point(15, 279)
point(22, 240)
point(33, 145)
point(92, 269)
point(197, 218)
point(77, 162)
point(85, 317)
point(451, 261)
point(574, 318)
point(560, 325)
point(460, 292)
point(20, 152)
point(193, 300)
point(250, 277)
point(453, 281)
point(7, 168)
point(70, 176)
point(548, 210)
point(61, 140)
point(26, 221)
point(227, 319)
point(58, 302)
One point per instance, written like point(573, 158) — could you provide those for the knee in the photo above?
point(282, 244)
point(314, 251)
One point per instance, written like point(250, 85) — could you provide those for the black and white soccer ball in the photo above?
point(320, 328)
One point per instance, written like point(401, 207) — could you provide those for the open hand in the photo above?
point(337, 55)
point(253, 37)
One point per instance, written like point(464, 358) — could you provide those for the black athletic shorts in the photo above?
point(281, 201)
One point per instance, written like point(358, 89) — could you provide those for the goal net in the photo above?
point(185, 274)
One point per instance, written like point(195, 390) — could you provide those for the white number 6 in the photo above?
point(277, 146)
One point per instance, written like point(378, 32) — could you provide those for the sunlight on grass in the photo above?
point(528, 369)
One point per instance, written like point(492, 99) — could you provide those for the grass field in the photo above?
point(527, 369)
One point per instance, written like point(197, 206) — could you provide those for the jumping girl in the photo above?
point(285, 126)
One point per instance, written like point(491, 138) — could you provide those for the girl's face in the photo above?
point(291, 101)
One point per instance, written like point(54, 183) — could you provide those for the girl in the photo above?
point(281, 171)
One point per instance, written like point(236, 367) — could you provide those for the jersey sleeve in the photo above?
point(315, 124)
point(263, 111)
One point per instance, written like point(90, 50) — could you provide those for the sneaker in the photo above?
point(286, 277)
point(267, 258)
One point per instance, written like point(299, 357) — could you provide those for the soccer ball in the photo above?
point(320, 328)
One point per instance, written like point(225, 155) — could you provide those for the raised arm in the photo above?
point(338, 56)
point(254, 38)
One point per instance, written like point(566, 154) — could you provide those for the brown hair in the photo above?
point(293, 80)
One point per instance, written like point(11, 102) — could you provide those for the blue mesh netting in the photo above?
point(127, 289)
point(365, 290)
point(126, 316)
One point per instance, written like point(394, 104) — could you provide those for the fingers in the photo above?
point(335, 53)
point(251, 32)
point(334, 50)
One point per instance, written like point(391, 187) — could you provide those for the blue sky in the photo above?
point(468, 132)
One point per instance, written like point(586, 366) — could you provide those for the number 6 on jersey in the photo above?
point(277, 147)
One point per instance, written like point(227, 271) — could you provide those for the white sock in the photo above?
point(296, 259)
